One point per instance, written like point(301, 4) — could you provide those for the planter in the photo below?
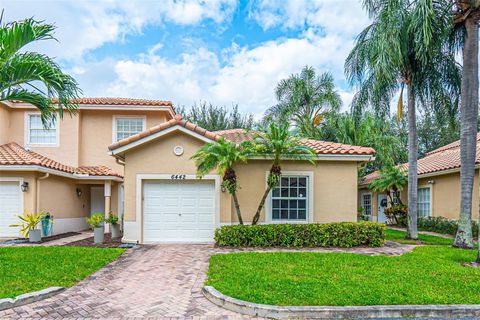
point(35, 236)
point(98, 234)
point(46, 226)
point(115, 229)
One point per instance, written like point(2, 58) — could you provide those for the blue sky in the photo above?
point(220, 51)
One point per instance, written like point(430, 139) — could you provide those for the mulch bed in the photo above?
point(88, 242)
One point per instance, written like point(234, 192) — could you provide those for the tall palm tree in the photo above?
point(305, 99)
point(277, 142)
point(467, 16)
point(30, 76)
point(222, 155)
point(404, 47)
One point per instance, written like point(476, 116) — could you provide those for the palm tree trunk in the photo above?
point(412, 232)
point(468, 132)
point(260, 206)
point(237, 207)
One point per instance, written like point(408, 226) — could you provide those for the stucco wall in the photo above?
point(4, 123)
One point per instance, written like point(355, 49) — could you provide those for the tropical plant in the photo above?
point(112, 219)
point(276, 142)
point(391, 179)
point(95, 220)
point(404, 47)
point(28, 222)
point(30, 76)
point(222, 155)
point(305, 99)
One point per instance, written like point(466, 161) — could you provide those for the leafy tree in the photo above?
point(276, 142)
point(305, 99)
point(404, 47)
point(222, 155)
point(214, 118)
point(30, 76)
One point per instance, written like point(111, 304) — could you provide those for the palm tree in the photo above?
point(276, 142)
point(30, 76)
point(404, 47)
point(305, 99)
point(390, 179)
point(467, 17)
point(223, 155)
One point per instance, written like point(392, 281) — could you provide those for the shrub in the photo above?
point(397, 214)
point(338, 234)
point(443, 225)
point(95, 220)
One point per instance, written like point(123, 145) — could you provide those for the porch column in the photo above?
point(108, 196)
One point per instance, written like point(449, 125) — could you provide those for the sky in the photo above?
point(221, 51)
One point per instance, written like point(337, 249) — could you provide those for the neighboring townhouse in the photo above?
point(438, 186)
point(66, 169)
point(166, 202)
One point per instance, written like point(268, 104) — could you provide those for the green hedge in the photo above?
point(338, 234)
point(443, 225)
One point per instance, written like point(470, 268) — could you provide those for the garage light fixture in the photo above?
point(24, 186)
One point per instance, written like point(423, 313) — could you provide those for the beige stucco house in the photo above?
point(438, 186)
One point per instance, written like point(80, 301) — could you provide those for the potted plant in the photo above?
point(114, 226)
point(28, 226)
point(96, 223)
point(47, 221)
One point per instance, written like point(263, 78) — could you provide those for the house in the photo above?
point(438, 186)
point(66, 169)
point(166, 202)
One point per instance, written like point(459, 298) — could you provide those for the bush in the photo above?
point(338, 234)
point(443, 225)
point(400, 212)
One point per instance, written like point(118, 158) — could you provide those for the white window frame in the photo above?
point(371, 203)
point(27, 132)
point(431, 199)
point(268, 203)
point(392, 192)
point(114, 123)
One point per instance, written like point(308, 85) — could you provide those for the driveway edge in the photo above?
point(30, 297)
point(347, 312)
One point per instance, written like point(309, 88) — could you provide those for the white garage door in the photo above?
point(178, 211)
point(10, 207)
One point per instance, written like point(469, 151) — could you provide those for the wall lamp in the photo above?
point(79, 192)
point(24, 186)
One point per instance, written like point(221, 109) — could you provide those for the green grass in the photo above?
point(399, 236)
point(428, 275)
point(26, 269)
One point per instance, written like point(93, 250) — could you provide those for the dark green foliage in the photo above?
point(338, 234)
point(443, 225)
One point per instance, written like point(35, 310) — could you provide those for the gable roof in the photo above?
point(237, 136)
point(437, 161)
point(12, 154)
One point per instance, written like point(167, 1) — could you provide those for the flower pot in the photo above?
point(35, 236)
point(98, 234)
point(115, 229)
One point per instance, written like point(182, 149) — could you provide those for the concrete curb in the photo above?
point(348, 312)
point(30, 297)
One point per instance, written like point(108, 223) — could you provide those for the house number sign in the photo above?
point(178, 177)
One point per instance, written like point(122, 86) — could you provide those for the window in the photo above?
point(290, 198)
point(424, 202)
point(367, 203)
point(396, 197)
point(37, 133)
point(126, 127)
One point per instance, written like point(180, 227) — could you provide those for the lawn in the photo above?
point(428, 275)
point(26, 269)
point(399, 236)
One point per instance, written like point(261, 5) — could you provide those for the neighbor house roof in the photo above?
point(12, 154)
point(437, 161)
point(119, 101)
point(240, 135)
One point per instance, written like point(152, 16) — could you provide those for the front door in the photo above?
point(382, 204)
point(97, 200)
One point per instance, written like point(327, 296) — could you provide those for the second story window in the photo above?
point(38, 134)
point(127, 126)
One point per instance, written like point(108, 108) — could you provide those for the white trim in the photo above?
point(114, 123)
point(430, 209)
point(20, 181)
point(268, 209)
point(26, 132)
point(138, 223)
point(56, 172)
point(371, 201)
point(129, 107)
point(326, 157)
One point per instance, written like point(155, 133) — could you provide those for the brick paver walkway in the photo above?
point(149, 281)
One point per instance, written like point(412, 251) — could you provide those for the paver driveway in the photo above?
point(150, 281)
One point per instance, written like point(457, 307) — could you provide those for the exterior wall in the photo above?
point(4, 123)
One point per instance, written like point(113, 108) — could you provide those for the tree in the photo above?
point(404, 47)
point(390, 179)
point(467, 17)
point(305, 99)
point(33, 77)
point(276, 142)
point(214, 118)
point(223, 155)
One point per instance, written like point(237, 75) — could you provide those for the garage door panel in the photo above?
point(10, 207)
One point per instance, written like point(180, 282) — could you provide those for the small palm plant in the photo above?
point(29, 221)
point(390, 179)
point(277, 142)
point(223, 155)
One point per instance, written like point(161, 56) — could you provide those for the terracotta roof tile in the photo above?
point(120, 101)
point(13, 154)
